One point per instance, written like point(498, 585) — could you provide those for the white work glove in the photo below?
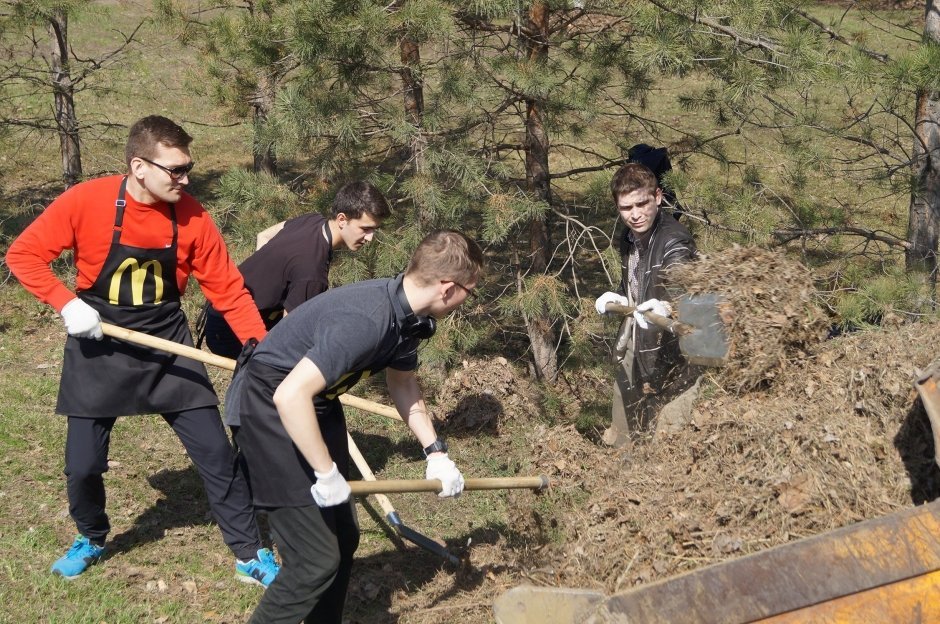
point(655, 306)
point(81, 320)
point(330, 489)
point(441, 467)
point(609, 297)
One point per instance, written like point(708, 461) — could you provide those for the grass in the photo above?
point(166, 560)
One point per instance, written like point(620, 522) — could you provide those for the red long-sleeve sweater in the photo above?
point(82, 219)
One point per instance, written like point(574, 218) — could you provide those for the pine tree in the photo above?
point(246, 63)
point(924, 219)
point(468, 113)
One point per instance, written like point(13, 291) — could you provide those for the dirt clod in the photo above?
point(774, 314)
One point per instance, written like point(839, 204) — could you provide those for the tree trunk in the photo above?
point(63, 91)
point(539, 326)
point(262, 103)
point(924, 216)
point(413, 91)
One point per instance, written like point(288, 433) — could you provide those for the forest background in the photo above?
point(811, 128)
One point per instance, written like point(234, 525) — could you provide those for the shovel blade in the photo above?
point(707, 314)
point(929, 392)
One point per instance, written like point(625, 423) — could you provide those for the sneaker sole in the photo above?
point(74, 576)
point(248, 580)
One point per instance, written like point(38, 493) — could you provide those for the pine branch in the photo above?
point(787, 235)
point(707, 221)
point(486, 117)
point(884, 58)
point(761, 43)
point(607, 165)
point(92, 65)
point(479, 24)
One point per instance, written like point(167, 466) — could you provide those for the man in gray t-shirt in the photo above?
point(292, 428)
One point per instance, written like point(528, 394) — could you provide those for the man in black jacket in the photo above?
point(651, 368)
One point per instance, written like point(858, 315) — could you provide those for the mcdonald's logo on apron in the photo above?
point(138, 279)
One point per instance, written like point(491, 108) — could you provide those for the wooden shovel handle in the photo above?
point(364, 488)
point(199, 355)
point(367, 474)
point(670, 325)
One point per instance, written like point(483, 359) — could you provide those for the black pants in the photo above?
point(316, 547)
point(200, 430)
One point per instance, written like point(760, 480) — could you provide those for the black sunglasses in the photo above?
point(175, 172)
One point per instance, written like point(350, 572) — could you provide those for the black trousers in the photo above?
point(316, 547)
point(201, 432)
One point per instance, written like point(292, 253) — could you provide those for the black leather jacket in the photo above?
point(656, 351)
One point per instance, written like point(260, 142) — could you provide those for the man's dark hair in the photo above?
point(631, 177)
point(357, 198)
point(149, 131)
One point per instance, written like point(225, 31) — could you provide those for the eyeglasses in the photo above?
point(175, 172)
point(469, 291)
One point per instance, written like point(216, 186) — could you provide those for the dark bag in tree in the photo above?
point(657, 159)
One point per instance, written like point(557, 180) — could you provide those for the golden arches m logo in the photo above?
point(139, 274)
point(344, 383)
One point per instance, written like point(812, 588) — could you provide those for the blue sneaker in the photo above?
point(260, 571)
point(81, 555)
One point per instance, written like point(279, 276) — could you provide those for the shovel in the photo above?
point(359, 488)
point(146, 340)
point(701, 330)
point(928, 389)
point(391, 516)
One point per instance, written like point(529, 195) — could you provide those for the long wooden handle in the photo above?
point(199, 355)
point(146, 340)
point(367, 474)
point(364, 488)
point(670, 325)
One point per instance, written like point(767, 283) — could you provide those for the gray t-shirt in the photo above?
point(349, 332)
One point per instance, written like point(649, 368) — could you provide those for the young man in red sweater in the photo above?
point(136, 240)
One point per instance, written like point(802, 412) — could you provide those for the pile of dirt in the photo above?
point(771, 310)
point(796, 437)
point(837, 439)
point(483, 394)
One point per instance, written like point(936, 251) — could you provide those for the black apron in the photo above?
point(136, 289)
point(279, 474)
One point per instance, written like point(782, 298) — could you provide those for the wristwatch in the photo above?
point(438, 446)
